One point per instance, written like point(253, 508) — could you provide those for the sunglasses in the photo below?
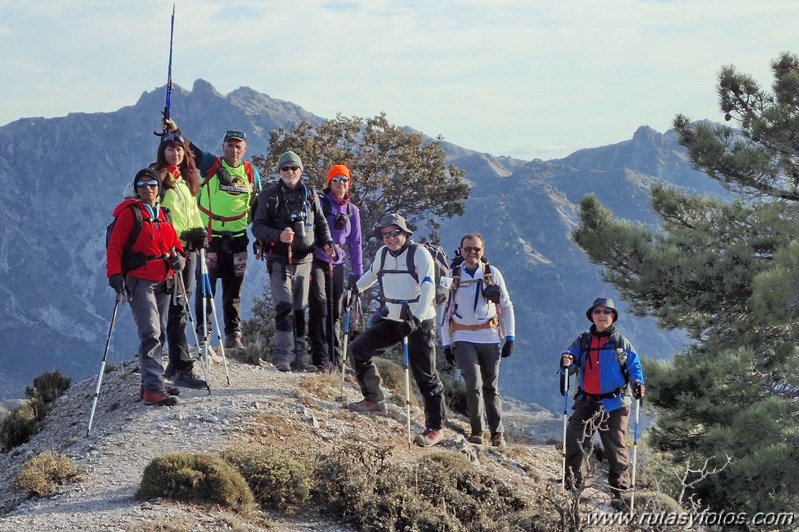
point(174, 138)
point(469, 249)
point(150, 183)
point(289, 168)
point(340, 179)
point(600, 311)
point(388, 234)
point(235, 134)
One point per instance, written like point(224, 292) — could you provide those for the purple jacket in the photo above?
point(347, 239)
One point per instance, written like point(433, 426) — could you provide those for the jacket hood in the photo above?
point(124, 205)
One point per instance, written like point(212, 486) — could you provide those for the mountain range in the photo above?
point(61, 177)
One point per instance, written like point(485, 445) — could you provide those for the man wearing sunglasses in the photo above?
point(229, 188)
point(288, 223)
point(407, 311)
point(609, 373)
point(478, 314)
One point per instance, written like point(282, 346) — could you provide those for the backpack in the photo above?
point(440, 265)
point(132, 259)
point(621, 358)
point(212, 171)
point(454, 266)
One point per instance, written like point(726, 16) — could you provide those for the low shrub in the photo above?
point(277, 479)
point(39, 475)
point(48, 386)
point(21, 423)
point(197, 477)
point(393, 377)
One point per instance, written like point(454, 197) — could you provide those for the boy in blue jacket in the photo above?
point(609, 371)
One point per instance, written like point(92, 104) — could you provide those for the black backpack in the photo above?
point(132, 259)
point(440, 265)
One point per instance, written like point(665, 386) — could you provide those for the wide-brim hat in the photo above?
point(602, 302)
point(391, 219)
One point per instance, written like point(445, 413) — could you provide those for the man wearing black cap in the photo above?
point(227, 200)
point(610, 371)
point(407, 311)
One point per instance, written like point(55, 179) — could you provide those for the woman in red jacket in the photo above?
point(143, 253)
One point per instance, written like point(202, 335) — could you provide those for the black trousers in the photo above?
point(321, 294)
point(386, 334)
point(226, 259)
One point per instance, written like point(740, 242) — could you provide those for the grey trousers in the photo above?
point(613, 435)
point(290, 286)
point(149, 302)
point(479, 365)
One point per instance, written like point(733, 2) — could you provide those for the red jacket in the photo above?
point(156, 238)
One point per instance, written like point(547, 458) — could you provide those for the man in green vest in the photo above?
point(228, 194)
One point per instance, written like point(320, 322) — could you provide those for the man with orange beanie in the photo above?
point(344, 220)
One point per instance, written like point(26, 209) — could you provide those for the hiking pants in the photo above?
point(479, 365)
point(381, 337)
point(179, 356)
point(290, 296)
point(149, 302)
point(613, 434)
point(319, 332)
point(226, 259)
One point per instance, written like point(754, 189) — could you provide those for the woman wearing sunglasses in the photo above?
point(143, 253)
point(344, 221)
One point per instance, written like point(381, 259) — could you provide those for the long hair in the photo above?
point(188, 168)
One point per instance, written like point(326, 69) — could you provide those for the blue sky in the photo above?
point(508, 77)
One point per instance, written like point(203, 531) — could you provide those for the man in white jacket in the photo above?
point(479, 312)
point(406, 275)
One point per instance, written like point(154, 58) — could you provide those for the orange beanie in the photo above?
point(337, 170)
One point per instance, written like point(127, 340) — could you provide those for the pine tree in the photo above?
point(727, 272)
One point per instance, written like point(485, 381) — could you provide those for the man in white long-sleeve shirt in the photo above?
point(478, 313)
point(406, 275)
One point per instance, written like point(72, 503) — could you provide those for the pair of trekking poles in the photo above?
point(565, 387)
point(207, 297)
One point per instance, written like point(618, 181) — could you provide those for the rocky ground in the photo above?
point(289, 410)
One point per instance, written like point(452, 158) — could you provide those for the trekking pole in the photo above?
point(635, 453)
point(203, 274)
point(565, 420)
point(407, 388)
point(330, 293)
point(102, 364)
point(207, 291)
point(168, 103)
point(179, 275)
point(346, 336)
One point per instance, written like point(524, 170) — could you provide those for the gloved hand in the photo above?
point(117, 282)
point(352, 280)
point(176, 262)
point(408, 326)
point(195, 237)
point(639, 390)
point(449, 355)
point(507, 349)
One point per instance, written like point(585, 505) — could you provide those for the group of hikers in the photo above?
point(187, 220)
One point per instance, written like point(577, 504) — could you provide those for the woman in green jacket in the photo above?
point(181, 180)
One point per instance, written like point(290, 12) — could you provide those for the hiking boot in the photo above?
point(365, 406)
point(302, 367)
point(429, 437)
point(498, 440)
point(158, 398)
point(169, 372)
point(476, 438)
point(170, 390)
point(617, 503)
point(283, 366)
point(186, 378)
point(233, 340)
point(201, 350)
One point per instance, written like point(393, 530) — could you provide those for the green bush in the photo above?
point(393, 377)
point(39, 475)
point(442, 491)
point(277, 479)
point(48, 386)
point(454, 393)
point(198, 477)
point(21, 423)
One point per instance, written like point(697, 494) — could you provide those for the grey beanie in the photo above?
point(289, 158)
